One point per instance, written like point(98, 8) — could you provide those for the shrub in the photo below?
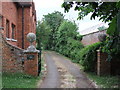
point(88, 56)
point(68, 40)
point(71, 49)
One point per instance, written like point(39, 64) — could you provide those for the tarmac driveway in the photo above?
point(62, 73)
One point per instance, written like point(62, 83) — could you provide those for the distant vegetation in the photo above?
point(58, 34)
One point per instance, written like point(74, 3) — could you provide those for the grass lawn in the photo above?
point(105, 81)
point(0, 80)
point(19, 80)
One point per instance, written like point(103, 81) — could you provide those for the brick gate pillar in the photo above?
point(31, 63)
point(31, 57)
point(103, 66)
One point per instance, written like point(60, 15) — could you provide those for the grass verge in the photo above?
point(105, 81)
point(18, 80)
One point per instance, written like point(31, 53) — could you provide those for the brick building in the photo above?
point(91, 38)
point(17, 20)
point(91, 34)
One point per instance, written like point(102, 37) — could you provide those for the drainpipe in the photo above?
point(22, 26)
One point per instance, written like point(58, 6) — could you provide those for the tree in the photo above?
point(105, 10)
point(53, 20)
point(59, 34)
point(66, 30)
point(68, 40)
point(43, 35)
point(108, 12)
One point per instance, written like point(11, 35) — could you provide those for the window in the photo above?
point(7, 29)
point(13, 31)
point(1, 21)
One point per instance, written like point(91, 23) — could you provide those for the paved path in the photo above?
point(53, 78)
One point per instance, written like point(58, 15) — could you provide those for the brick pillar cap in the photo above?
point(31, 48)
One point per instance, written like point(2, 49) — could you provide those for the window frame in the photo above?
point(13, 30)
point(1, 22)
point(7, 28)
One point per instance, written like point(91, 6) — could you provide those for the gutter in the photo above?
point(22, 26)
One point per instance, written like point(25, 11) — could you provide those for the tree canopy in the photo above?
point(105, 10)
point(108, 12)
point(53, 20)
point(58, 34)
point(43, 32)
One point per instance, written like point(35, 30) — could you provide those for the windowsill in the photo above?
point(8, 39)
point(14, 40)
point(1, 28)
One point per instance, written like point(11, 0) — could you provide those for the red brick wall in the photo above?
point(0, 7)
point(31, 66)
point(103, 66)
point(27, 25)
point(19, 28)
point(12, 55)
point(11, 58)
point(14, 60)
point(91, 38)
point(9, 12)
point(13, 13)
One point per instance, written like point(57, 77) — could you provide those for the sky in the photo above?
point(43, 7)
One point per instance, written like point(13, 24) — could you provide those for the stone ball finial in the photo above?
point(31, 37)
point(102, 37)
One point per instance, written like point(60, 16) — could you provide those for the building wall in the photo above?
point(13, 13)
point(19, 28)
point(92, 37)
point(0, 7)
point(9, 12)
point(28, 27)
point(13, 58)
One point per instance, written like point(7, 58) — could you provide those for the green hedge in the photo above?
point(71, 49)
point(88, 56)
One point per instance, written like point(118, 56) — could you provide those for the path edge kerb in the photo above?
point(44, 74)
